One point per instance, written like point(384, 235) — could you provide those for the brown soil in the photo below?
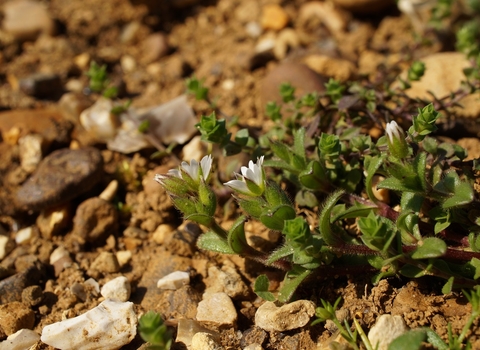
point(207, 40)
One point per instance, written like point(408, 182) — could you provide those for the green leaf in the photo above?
point(212, 242)
point(201, 219)
point(374, 163)
point(476, 264)
point(434, 339)
point(430, 247)
point(464, 194)
point(236, 236)
point(241, 137)
point(261, 288)
point(274, 218)
point(292, 281)
point(447, 287)
point(325, 226)
point(414, 271)
point(411, 340)
point(280, 253)
point(395, 184)
point(299, 143)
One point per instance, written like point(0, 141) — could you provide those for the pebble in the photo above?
point(253, 29)
point(174, 280)
point(337, 68)
point(331, 17)
point(287, 39)
point(183, 241)
point(304, 79)
point(117, 289)
point(53, 220)
point(123, 257)
point(204, 341)
point(108, 194)
point(6, 246)
point(30, 151)
point(187, 329)
point(60, 177)
point(15, 316)
point(105, 262)
point(444, 75)
point(11, 288)
point(217, 308)
point(253, 336)
point(26, 20)
point(385, 330)
point(99, 122)
point(21, 340)
point(32, 295)
point(109, 326)
point(364, 6)
point(154, 47)
point(24, 235)
point(289, 316)
point(42, 85)
point(226, 280)
point(195, 149)
point(273, 17)
point(95, 220)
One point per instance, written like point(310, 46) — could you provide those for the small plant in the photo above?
point(154, 331)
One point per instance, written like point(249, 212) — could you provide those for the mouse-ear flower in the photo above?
point(252, 180)
point(397, 145)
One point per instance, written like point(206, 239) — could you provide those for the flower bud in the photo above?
point(397, 145)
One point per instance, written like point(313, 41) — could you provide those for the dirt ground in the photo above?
point(211, 40)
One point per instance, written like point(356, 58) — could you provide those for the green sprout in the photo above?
point(154, 331)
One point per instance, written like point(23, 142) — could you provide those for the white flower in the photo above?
point(394, 131)
point(191, 174)
point(252, 180)
point(397, 144)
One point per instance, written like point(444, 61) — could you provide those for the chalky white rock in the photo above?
point(109, 326)
point(21, 340)
point(117, 289)
point(174, 280)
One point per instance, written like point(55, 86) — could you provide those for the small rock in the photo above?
point(162, 232)
point(99, 122)
point(21, 340)
point(302, 78)
point(204, 341)
point(217, 308)
point(154, 47)
point(180, 303)
point(59, 253)
point(117, 289)
point(15, 316)
point(106, 262)
point(253, 29)
point(11, 288)
point(53, 220)
point(188, 328)
point(183, 241)
point(24, 235)
point(364, 6)
point(289, 316)
point(385, 330)
point(32, 295)
point(128, 63)
point(26, 20)
point(30, 151)
point(108, 194)
point(331, 17)
point(108, 326)
point(287, 39)
point(253, 336)
point(60, 177)
point(336, 68)
point(123, 257)
point(226, 280)
point(274, 17)
point(6, 246)
point(174, 280)
point(94, 220)
point(42, 85)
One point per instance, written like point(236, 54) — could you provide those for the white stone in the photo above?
point(21, 340)
point(108, 326)
point(174, 280)
point(123, 257)
point(253, 29)
point(253, 346)
point(188, 328)
point(297, 314)
point(217, 308)
point(24, 235)
point(195, 149)
point(386, 329)
point(58, 254)
point(99, 122)
point(204, 341)
point(226, 280)
point(117, 289)
point(6, 246)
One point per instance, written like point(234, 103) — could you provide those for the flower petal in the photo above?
point(206, 166)
point(239, 186)
point(175, 173)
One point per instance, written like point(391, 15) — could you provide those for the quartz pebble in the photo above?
point(290, 316)
point(174, 280)
point(24, 235)
point(117, 289)
point(204, 341)
point(106, 262)
point(217, 308)
point(385, 330)
point(123, 257)
point(108, 326)
point(187, 329)
point(21, 340)
point(6, 246)
point(52, 221)
point(30, 151)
